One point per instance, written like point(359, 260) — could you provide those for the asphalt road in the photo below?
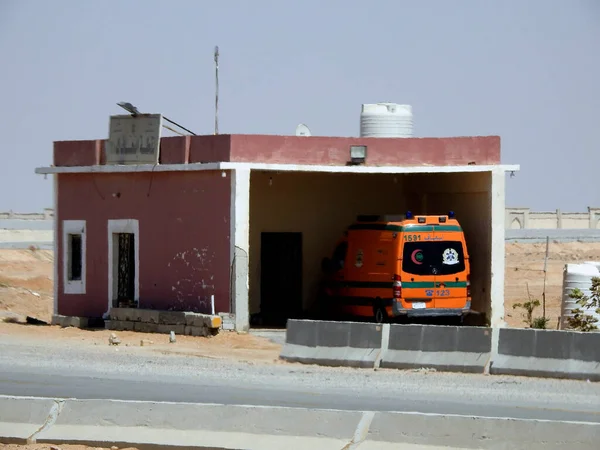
point(134, 373)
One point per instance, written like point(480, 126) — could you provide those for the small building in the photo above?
point(246, 219)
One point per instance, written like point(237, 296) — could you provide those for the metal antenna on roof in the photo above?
point(217, 89)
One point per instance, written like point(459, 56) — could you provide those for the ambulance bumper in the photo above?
point(398, 310)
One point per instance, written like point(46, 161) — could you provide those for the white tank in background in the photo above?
point(577, 276)
point(596, 264)
point(386, 120)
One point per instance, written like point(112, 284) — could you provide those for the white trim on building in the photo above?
point(273, 167)
point(55, 243)
point(240, 244)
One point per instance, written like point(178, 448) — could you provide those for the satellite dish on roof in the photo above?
point(302, 130)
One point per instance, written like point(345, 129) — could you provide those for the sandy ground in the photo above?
point(26, 279)
point(225, 346)
point(26, 286)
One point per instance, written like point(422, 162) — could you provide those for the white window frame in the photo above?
point(73, 227)
point(123, 226)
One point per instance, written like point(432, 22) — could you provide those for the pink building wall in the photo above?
point(183, 244)
point(481, 150)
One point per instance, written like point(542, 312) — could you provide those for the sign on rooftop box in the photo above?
point(134, 139)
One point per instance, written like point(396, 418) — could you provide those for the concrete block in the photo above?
point(209, 426)
point(585, 347)
point(195, 331)
point(441, 361)
point(149, 315)
point(119, 325)
point(516, 342)
point(330, 356)
point(439, 339)
point(228, 326)
point(443, 348)
point(405, 337)
point(166, 329)
point(190, 317)
point(145, 327)
point(171, 318)
point(79, 322)
point(365, 335)
point(57, 320)
point(552, 344)
point(331, 343)
point(125, 314)
point(198, 321)
point(545, 367)
point(439, 431)
point(203, 320)
point(474, 339)
point(70, 321)
point(301, 332)
point(333, 334)
point(548, 353)
point(21, 417)
point(227, 321)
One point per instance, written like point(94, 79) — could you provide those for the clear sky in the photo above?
point(528, 71)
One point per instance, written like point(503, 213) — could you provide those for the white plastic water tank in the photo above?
point(386, 120)
point(596, 264)
point(577, 276)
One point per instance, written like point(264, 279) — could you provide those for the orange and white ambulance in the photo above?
point(390, 266)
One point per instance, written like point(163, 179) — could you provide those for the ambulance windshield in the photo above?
point(433, 258)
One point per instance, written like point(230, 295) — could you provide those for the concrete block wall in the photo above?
point(524, 218)
point(354, 344)
point(452, 349)
point(175, 426)
point(349, 344)
point(548, 353)
point(525, 352)
point(154, 321)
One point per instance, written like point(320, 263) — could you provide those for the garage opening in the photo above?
point(298, 218)
point(281, 277)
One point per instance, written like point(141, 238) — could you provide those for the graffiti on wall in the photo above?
point(195, 283)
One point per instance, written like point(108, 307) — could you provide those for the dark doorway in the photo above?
point(280, 278)
point(125, 269)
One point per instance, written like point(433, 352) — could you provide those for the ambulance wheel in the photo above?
point(379, 312)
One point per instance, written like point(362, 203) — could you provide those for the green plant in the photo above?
point(541, 323)
point(581, 320)
point(528, 319)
